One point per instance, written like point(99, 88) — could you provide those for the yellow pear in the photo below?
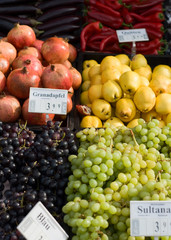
point(145, 72)
point(101, 109)
point(144, 81)
point(94, 92)
point(133, 123)
point(144, 99)
point(152, 114)
point(84, 98)
point(163, 103)
point(110, 74)
point(110, 62)
point(125, 109)
point(96, 79)
point(138, 61)
point(90, 121)
point(89, 63)
point(162, 69)
point(160, 84)
point(111, 91)
point(123, 58)
point(85, 85)
point(114, 122)
point(168, 118)
point(129, 82)
point(125, 68)
point(94, 70)
point(85, 76)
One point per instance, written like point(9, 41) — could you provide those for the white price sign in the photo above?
point(150, 218)
point(46, 100)
point(39, 224)
point(132, 35)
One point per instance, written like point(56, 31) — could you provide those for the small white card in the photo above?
point(132, 35)
point(47, 100)
point(39, 224)
point(150, 218)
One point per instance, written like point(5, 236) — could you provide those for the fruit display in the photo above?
point(26, 61)
point(116, 165)
point(119, 89)
point(33, 167)
point(102, 19)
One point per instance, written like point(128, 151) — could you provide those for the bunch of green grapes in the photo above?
point(113, 167)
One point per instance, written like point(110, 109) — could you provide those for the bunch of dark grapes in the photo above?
point(33, 167)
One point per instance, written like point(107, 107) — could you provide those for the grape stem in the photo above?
point(133, 136)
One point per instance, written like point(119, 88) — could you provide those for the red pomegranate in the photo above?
point(34, 118)
point(67, 63)
point(21, 36)
point(10, 108)
point(71, 92)
point(55, 50)
point(31, 51)
point(38, 44)
point(56, 76)
point(20, 80)
point(69, 104)
point(4, 64)
point(76, 78)
point(8, 51)
point(72, 53)
point(31, 62)
point(2, 81)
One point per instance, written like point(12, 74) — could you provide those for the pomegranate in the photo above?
point(4, 64)
point(72, 53)
point(56, 76)
point(38, 44)
point(55, 50)
point(34, 118)
point(10, 108)
point(76, 78)
point(71, 91)
point(21, 36)
point(67, 63)
point(2, 81)
point(8, 51)
point(69, 104)
point(31, 62)
point(20, 80)
point(30, 50)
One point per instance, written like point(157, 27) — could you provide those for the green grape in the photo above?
point(126, 211)
point(116, 196)
point(83, 189)
point(94, 235)
point(102, 176)
point(95, 207)
point(122, 177)
point(93, 183)
point(121, 226)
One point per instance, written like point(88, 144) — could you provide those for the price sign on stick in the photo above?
point(39, 224)
point(46, 100)
point(150, 218)
point(132, 35)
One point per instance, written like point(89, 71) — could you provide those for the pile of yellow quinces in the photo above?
point(120, 90)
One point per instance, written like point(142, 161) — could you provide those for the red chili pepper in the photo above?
point(103, 8)
point(87, 31)
point(126, 15)
point(156, 17)
point(155, 26)
point(108, 20)
point(157, 8)
point(114, 4)
point(143, 6)
point(152, 34)
point(111, 44)
point(103, 34)
point(93, 45)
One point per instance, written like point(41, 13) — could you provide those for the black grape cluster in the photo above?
point(34, 167)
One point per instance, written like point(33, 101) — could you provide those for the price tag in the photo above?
point(46, 100)
point(150, 218)
point(39, 224)
point(132, 35)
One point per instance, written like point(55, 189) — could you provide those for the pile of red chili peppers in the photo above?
point(104, 17)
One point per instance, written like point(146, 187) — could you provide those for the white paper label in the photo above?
point(132, 35)
point(150, 218)
point(46, 100)
point(39, 224)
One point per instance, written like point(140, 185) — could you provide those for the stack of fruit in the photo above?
point(25, 62)
point(120, 90)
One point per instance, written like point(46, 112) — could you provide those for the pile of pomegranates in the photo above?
point(25, 62)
